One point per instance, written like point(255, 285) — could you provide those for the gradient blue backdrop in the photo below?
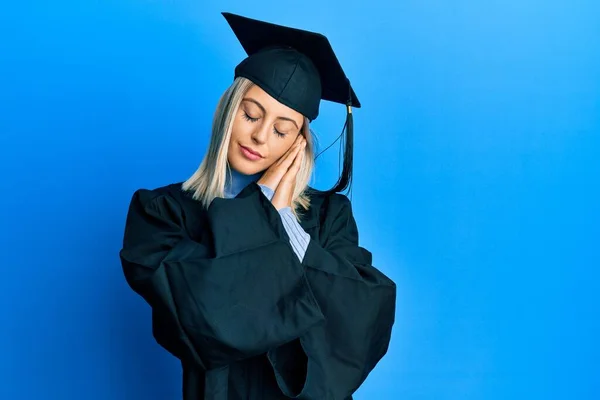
point(476, 185)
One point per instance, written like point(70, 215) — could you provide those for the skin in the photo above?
point(273, 130)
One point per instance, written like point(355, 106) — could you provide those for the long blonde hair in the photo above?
point(209, 179)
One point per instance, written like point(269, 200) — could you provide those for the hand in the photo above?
point(285, 190)
point(273, 175)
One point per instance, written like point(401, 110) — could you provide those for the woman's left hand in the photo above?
point(285, 190)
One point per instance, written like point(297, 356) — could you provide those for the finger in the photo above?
point(290, 151)
point(297, 142)
point(295, 167)
point(299, 158)
point(292, 155)
point(278, 170)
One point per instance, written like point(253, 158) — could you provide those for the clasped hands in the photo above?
point(281, 176)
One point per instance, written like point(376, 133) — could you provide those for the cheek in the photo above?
point(277, 148)
point(241, 127)
point(277, 152)
point(237, 130)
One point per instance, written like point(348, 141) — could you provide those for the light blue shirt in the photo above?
point(299, 239)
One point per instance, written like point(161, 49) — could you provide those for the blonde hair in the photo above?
point(209, 179)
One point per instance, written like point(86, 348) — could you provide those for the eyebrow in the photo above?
point(265, 111)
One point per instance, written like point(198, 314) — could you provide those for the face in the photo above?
point(264, 126)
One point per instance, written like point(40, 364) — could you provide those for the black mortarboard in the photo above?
point(298, 68)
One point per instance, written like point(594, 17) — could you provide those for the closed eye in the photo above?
point(249, 118)
point(281, 135)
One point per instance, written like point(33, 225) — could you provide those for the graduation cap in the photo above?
point(298, 68)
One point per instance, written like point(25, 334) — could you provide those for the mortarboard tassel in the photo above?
point(345, 180)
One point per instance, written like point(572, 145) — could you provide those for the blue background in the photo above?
point(476, 184)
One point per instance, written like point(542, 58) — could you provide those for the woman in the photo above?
point(256, 281)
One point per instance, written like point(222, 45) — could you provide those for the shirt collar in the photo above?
point(238, 181)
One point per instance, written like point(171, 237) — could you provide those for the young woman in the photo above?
point(257, 282)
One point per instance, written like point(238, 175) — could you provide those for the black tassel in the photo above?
point(345, 180)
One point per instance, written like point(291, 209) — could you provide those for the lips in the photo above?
point(252, 151)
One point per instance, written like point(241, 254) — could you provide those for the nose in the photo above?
point(260, 134)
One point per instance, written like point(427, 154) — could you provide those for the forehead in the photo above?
point(271, 105)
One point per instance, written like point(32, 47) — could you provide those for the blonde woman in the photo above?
point(257, 281)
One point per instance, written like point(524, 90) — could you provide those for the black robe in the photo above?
point(232, 301)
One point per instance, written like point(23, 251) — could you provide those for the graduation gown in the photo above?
point(247, 318)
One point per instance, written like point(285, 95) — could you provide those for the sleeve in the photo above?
point(267, 191)
point(331, 360)
point(231, 295)
point(299, 238)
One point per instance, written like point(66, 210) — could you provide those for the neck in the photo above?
point(238, 181)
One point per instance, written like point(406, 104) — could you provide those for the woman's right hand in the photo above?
point(273, 175)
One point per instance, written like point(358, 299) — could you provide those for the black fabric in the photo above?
point(296, 67)
point(246, 318)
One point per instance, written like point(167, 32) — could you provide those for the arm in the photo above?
point(358, 302)
point(228, 297)
point(299, 238)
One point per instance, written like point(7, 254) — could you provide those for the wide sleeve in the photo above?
point(331, 360)
point(230, 295)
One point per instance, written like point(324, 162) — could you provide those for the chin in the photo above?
point(243, 166)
